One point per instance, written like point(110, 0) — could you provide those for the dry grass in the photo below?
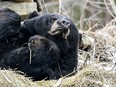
point(87, 77)
point(10, 78)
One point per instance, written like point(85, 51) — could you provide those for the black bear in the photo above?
point(10, 23)
point(59, 29)
point(38, 60)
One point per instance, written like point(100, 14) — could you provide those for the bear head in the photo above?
point(9, 23)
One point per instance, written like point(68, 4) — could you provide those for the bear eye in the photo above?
point(53, 19)
point(42, 39)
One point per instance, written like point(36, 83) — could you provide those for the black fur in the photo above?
point(54, 55)
point(44, 58)
point(9, 29)
point(68, 44)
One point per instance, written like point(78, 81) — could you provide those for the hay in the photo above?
point(87, 77)
point(10, 78)
point(100, 44)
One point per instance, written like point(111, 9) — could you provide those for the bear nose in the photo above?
point(64, 22)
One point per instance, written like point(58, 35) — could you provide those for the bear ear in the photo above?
point(32, 15)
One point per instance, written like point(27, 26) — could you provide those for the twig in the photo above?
point(112, 2)
point(45, 6)
point(58, 83)
point(60, 70)
point(6, 78)
point(30, 54)
point(98, 2)
point(96, 24)
point(53, 6)
point(109, 23)
point(82, 14)
point(108, 9)
point(94, 3)
point(60, 6)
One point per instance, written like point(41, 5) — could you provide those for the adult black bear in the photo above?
point(38, 60)
point(9, 29)
point(61, 30)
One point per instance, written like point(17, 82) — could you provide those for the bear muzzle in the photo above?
point(60, 26)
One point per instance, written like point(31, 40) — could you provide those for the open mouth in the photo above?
point(56, 31)
point(64, 31)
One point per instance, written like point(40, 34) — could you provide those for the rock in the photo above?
point(22, 9)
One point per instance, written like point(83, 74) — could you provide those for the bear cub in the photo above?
point(38, 60)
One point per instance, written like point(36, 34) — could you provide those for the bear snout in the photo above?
point(63, 22)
